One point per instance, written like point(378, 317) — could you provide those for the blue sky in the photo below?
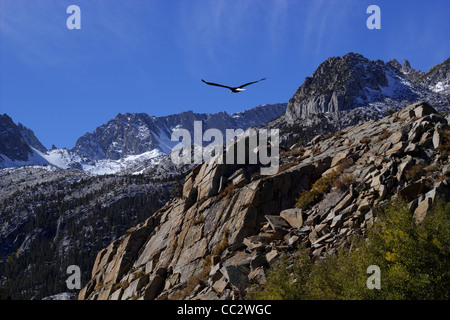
point(149, 55)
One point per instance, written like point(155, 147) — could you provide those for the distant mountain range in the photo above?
point(341, 92)
point(133, 134)
point(127, 142)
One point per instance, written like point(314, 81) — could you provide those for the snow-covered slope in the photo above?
point(65, 159)
point(35, 158)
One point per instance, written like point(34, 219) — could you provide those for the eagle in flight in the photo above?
point(233, 89)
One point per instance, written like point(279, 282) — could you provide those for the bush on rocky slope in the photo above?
point(413, 259)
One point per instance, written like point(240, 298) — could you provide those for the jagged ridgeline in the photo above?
point(347, 90)
point(219, 239)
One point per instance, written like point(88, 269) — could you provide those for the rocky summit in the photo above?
point(13, 145)
point(351, 89)
point(354, 81)
point(230, 224)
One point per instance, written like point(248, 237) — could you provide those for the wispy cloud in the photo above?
point(324, 19)
point(216, 32)
point(26, 27)
point(36, 30)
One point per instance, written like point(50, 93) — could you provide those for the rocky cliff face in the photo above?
point(438, 78)
point(18, 145)
point(348, 90)
point(353, 81)
point(230, 224)
point(345, 83)
point(12, 143)
point(30, 138)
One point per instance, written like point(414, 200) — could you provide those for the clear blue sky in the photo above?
point(149, 55)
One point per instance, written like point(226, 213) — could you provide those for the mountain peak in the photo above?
point(12, 143)
point(438, 77)
point(345, 83)
point(30, 138)
point(406, 64)
point(394, 63)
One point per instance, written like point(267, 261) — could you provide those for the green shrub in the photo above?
point(413, 259)
point(308, 198)
point(285, 282)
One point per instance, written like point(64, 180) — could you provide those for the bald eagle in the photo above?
point(233, 89)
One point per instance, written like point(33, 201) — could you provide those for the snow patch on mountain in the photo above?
point(35, 158)
point(440, 87)
point(65, 159)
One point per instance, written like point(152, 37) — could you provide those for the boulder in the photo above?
point(293, 240)
point(116, 294)
point(272, 256)
point(220, 285)
point(423, 109)
point(344, 203)
point(133, 288)
point(236, 276)
point(422, 209)
point(364, 205)
point(436, 139)
point(258, 275)
point(396, 137)
point(397, 149)
point(239, 259)
point(411, 148)
point(337, 221)
point(339, 158)
point(293, 217)
point(215, 272)
point(277, 223)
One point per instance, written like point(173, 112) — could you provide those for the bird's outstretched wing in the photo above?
point(216, 84)
point(244, 85)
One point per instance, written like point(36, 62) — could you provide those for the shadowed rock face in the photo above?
point(12, 143)
point(217, 238)
point(30, 138)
